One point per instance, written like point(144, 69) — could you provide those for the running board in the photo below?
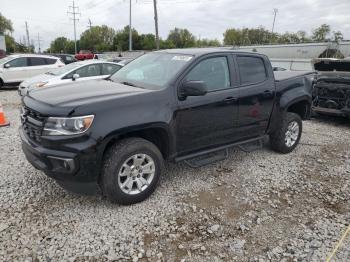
point(207, 159)
point(247, 146)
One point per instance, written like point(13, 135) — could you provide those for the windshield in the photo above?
point(64, 69)
point(151, 71)
point(5, 59)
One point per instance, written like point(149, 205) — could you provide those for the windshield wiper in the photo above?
point(130, 84)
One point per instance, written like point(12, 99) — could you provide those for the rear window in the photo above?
point(50, 61)
point(37, 61)
point(252, 69)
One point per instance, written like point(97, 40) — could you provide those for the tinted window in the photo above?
point(213, 71)
point(251, 69)
point(108, 69)
point(69, 58)
point(18, 62)
point(50, 61)
point(86, 71)
point(37, 61)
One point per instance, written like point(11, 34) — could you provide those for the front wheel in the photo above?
point(131, 170)
point(288, 134)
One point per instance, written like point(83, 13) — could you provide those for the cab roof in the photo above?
point(203, 51)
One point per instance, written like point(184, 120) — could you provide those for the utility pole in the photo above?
point(74, 10)
point(39, 41)
point(130, 30)
point(90, 24)
point(275, 10)
point(156, 22)
point(27, 31)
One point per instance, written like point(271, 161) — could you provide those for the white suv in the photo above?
point(16, 68)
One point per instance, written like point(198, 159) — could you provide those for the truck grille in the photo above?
point(32, 122)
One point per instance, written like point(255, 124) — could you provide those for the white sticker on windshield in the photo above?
point(185, 58)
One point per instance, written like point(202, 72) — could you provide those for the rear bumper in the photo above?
point(76, 172)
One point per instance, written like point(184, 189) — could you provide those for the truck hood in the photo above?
point(65, 98)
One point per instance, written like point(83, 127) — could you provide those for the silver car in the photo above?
point(79, 71)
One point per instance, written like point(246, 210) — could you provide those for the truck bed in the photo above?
point(284, 75)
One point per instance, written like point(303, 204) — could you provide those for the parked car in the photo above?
point(79, 71)
point(16, 68)
point(84, 54)
point(331, 93)
point(66, 58)
point(113, 136)
point(122, 60)
point(2, 53)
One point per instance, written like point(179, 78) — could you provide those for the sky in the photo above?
point(204, 18)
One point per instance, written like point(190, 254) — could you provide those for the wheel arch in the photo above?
point(158, 134)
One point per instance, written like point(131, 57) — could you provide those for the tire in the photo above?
point(283, 142)
point(121, 166)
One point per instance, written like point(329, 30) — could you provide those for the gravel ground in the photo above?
point(259, 206)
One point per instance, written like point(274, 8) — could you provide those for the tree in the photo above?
point(320, 34)
point(147, 41)
point(121, 40)
point(62, 45)
point(97, 39)
point(182, 38)
point(337, 36)
point(5, 25)
point(207, 42)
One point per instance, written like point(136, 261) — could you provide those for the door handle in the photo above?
point(267, 93)
point(230, 98)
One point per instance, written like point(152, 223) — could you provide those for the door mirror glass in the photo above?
point(7, 66)
point(75, 77)
point(193, 88)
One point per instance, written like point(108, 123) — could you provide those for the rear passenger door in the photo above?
point(256, 95)
point(37, 66)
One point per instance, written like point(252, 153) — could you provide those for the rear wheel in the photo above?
point(131, 170)
point(287, 136)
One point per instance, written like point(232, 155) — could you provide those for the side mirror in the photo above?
point(75, 77)
point(7, 66)
point(193, 88)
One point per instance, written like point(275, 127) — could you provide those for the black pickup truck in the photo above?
point(112, 136)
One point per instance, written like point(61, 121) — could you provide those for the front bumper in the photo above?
point(76, 172)
point(345, 112)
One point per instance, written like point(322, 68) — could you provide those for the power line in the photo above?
point(74, 10)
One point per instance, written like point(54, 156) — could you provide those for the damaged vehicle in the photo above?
point(331, 92)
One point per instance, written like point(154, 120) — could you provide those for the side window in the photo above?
point(37, 61)
point(19, 62)
point(86, 71)
point(213, 71)
point(50, 61)
point(251, 69)
point(69, 58)
point(108, 69)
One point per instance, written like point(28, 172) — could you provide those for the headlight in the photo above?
point(39, 84)
point(59, 126)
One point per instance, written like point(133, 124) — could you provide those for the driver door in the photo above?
point(209, 120)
